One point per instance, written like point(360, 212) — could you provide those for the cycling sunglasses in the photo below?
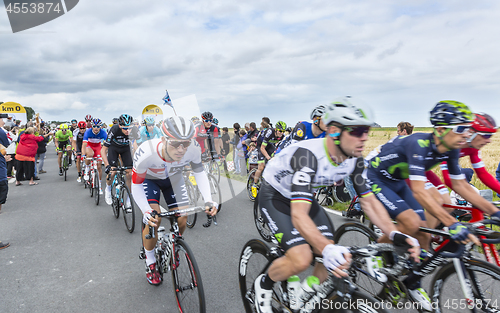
point(207, 121)
point(458, 129)
point(96, 126)
point(485, 135)
point(126, 128)
point(358, 131)
point(177, 143)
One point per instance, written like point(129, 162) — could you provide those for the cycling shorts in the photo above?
point(174, 191)
point(396, 196)
point(96, 147)
point(275, 209)
point(63, 145)
point(124, 152)
point(261, 158)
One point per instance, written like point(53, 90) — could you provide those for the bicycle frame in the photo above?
point(490, 251)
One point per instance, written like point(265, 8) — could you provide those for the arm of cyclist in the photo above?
point(140, 198)
point(263, 150)
point(468, 193)
point(104, 155)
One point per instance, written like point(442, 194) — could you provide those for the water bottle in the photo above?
point(293, 284)
point(307, 291)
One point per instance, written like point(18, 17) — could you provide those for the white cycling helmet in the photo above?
point(348, 112)
point(318, 111)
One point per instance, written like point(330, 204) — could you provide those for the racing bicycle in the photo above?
point(122, 198)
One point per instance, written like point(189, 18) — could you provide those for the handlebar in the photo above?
point(478, 229)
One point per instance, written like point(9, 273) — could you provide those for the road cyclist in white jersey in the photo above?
point(158, 165)
point(295, 218)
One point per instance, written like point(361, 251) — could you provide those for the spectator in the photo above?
point(225, 145)
point(11, 150)
point(498, 175)
point(252, 134)
point(10, 122)
point(241, 163)
point(247, 127)
point(40, 152)
point(4, 183)
point(235, 141)
point(405, 129)
point(25, 155)
point(253, 156)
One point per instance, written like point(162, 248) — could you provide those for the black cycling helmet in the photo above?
point(125, 120)
point(207, 115)
point(115, 120)
point(177, 128)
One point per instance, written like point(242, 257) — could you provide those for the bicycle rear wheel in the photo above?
point(356, 234)
point(484, 280)
point(252, 194)
point(260, 223)
point(341, 194)
point(323, 196)
point(215, 191)
point(255, 259)
point(128, 208)
point(187, 279)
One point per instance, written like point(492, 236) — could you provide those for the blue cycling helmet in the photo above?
point(450, 113)
point(96, 122)
point(125, 120)
point(149, 121)
point(215, 121)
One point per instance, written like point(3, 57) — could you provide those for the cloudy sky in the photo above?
point(246, 60)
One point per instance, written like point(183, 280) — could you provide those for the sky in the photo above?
point(242, 61)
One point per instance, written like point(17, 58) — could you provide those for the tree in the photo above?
point(29, 113)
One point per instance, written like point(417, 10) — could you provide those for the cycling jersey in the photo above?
point(150, 165)
point(301, 131)
point(94, 139)
point(210, 134)
point(305, 166)
point(269, 140)
point(78, 138)
point(116, 138)
point(63, 137)
point(144, 135)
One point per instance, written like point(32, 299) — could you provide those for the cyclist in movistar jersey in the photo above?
point(306, 130)
point(62, 140)
point(295, 218)
point(410, 157)
point(148, 131)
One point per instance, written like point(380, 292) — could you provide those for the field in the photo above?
point(490, 153)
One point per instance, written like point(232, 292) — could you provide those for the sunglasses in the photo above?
point(126, 128)
point(458, 129)
point(177, 143)
point(94, 126)
point(485, 135)
point(357, 132)
point(207, 121)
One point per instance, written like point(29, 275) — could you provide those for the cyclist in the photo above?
point(92, 148)
point(118, 144)
point(269, 137)
point(74, 124)
point(409, 157)
point(306, 130)
point(62, 140)
point(149, 131)
point(212, 134)
point(77, 146)
point(158, 168)
point(215, 121)
point(115, 120)
point(88, 120)
point(296, 219)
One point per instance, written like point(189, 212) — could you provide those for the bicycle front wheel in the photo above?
point(215, 190)
point(252, 194)
point(187, 279)
point(255, 259)
point(261, 223)
point(96, 187)
point(484, 279)
point(91, 184)
point(193, 199)
point(114, 200)
point(215, 170)
point(356, 234)
point(128, 207)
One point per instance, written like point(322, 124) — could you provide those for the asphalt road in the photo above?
point(69, 255)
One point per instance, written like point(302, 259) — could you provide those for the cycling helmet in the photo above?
point(115, 120)
point(125, 120)
point(450, 112)
point(207, 115)
point(484, 123)
point(177, 127)
point(288, 129)
point(74, 121)
point(347, 112)
point(195, 119)
point(318, 111)
point(280, 126)
point(88, 118)
point(215, 121)
point(149, 121)
point(63, 126)
point(82, 124)
point(97, 122)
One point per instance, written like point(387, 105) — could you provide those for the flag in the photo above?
point(167, 99)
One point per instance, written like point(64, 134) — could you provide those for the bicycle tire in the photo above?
point(65, 166)
point(128, 214)
point(91, 184)
point(215, 170)
point(249, 184)
point(341, 194)
point(96, 188)
point(191, 191)
point(442, 293)
point(114, 200)
point(323, 196)
point(260, 223)
point(215, 191)
point(255, 259)
point(187, 279)
point(356, 234)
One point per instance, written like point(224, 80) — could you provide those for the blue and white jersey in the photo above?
point(144, 135)
point(301, 131)
point(92, 138)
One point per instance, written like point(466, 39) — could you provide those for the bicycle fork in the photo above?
point(464, 280)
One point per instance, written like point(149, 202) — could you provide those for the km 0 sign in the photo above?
point(25, 14)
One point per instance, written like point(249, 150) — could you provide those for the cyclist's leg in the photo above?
point(112, 160)
point(175, 195)
point(68, 149)
point(59, 155)
point(261, 165)
point(152, 191)
point(126, 160)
